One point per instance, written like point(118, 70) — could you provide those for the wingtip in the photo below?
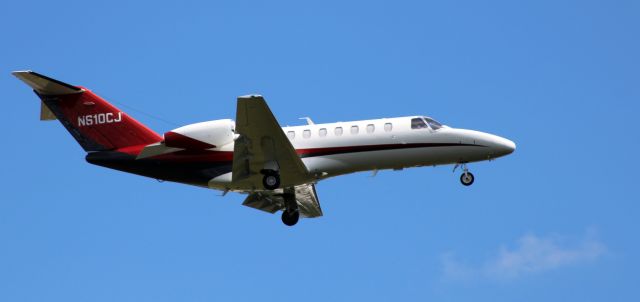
point(19, 72)
point(250, 96)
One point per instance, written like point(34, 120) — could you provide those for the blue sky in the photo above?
point(555, 221)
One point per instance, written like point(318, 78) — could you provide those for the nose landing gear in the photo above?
point(467, 177)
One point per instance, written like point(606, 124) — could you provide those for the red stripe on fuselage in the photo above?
point(368, 148)
point(208, 156)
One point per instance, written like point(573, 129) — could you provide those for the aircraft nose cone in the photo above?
point(503, 146)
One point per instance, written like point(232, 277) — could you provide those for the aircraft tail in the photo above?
point(92, 121)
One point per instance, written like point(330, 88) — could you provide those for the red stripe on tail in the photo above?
point(98, 125)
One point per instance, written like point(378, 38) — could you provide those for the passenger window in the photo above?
point(418, 123)
point(323, 132)
point(306, 133)
point(338, 131)
point(371, 128)
point(291, 134)
point(354, 129)
point(388, 127)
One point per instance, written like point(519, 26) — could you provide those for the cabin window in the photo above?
point(291, 134)
point(371, 128)
point(418, 123)
point(322, 132)
point(388, 127)
point(338, 131)
point(306, 133)
point(354, 129)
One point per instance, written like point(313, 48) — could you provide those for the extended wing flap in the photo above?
point(308, 202)
point(271, 202)
point(264, 202)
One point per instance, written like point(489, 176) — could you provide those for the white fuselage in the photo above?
point(340, 148)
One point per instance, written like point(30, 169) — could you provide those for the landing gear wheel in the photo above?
point(290, 218)
point(271, 181)
point(467, 178)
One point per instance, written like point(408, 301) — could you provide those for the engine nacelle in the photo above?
point(201, 136)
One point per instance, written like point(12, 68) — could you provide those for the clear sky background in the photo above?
point(555, 221)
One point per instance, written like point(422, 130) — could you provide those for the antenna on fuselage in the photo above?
point(308, 119)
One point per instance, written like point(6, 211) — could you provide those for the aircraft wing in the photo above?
point(263, 145)
point(270, 201)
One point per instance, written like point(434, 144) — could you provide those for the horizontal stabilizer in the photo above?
point(155, 150)
point(44, 85)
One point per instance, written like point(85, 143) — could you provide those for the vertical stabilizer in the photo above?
point(92, 121)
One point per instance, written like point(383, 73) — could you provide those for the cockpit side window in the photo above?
point(418, 123)
point(433, 123)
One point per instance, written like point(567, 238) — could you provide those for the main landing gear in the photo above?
point(290, 218)
point(291, 214)
point(467, 177)
point(271, 179)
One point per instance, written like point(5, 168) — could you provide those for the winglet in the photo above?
point(44, 85)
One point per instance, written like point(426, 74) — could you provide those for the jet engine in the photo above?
point(201, 136)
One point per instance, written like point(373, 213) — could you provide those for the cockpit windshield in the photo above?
point(418, 123)
point(425, 123)
point(433, 123)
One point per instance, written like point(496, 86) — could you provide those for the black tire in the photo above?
point(271, 181)
point(467, 179)
point(290, 218)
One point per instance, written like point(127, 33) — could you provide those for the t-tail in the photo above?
point(92, 121)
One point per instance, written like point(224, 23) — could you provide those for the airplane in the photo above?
point(277, 167)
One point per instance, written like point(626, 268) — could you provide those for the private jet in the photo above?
point(277, 167)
